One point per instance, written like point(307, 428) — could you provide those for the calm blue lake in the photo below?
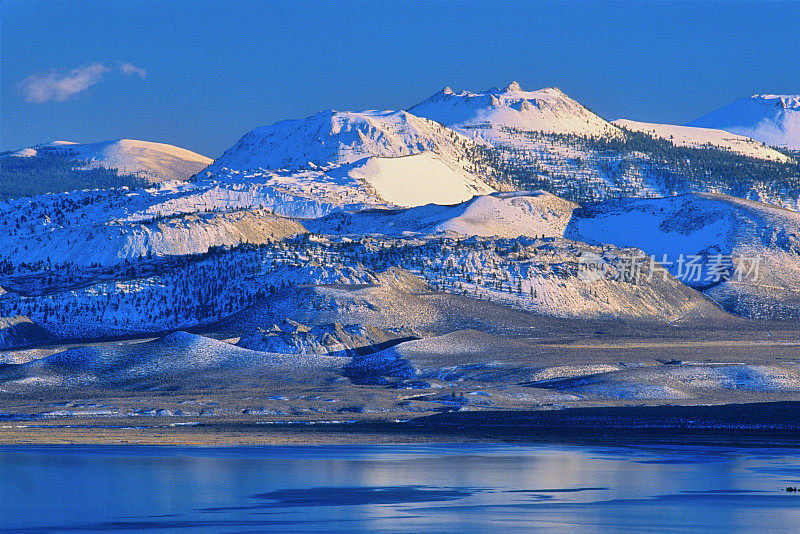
point(437, 488)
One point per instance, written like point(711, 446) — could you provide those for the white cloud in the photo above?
point(128, 69)
point(57, 87)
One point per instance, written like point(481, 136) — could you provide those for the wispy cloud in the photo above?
point(57, 87)
point(128, 69)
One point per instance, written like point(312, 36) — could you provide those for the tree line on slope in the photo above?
point(55, 173)
point(634, 164)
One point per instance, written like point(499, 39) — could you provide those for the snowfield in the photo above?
point(419, 179)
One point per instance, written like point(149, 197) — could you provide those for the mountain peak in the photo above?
point(546, 110)
point(336, 138)
point(768, 118)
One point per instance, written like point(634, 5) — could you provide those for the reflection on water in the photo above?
point(398, 488)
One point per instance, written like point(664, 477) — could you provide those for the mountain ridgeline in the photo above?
point(496, 196)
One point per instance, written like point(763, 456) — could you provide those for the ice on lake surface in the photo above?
point(437, 488)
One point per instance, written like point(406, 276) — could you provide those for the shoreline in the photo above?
point(767, 424)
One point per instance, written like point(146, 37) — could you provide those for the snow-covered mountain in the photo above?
point(392, 157)
point(151, 162)
point(488, 115)
point(695, 137)
point(771, 119)
point(336, 137)
point(112, 225)
point(699, 236)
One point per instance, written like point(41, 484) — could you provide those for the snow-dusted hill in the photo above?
point(702, 137)
point(699, 228)
point(291, 337)
point(151, 162)
point(113, 241)
point(770, 119)
point(175, 361)
point(179, 218)
point(487, 115)
point(528, 213)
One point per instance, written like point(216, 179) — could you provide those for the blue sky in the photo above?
point(200, 73)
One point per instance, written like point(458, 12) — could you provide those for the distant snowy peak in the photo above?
point(770, 119)
point(695, 137)
point(154, 162)
point(548, 110)
point(338, 137)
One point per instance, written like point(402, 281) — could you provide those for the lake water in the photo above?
point(437, 488)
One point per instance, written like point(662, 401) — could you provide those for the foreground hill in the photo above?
point(18, 331)
point(770, 119)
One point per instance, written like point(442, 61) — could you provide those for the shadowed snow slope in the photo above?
point(771, 119)
point(483, 115)
point(708, 225)
point(701, 137)
point(153, 162)
point(176, 360)
point(291, 337)
point(19, 331)
point(534, 213)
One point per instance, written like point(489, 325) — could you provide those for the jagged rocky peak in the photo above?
point(779, 101)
